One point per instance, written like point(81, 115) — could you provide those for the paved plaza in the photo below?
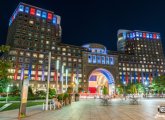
point(92, 109)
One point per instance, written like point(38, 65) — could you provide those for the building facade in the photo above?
point(33, 32)
point(141, 55)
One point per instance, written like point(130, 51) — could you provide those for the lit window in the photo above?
point(41, 56)
point(43, 14)
point(35, 55)
point(53, 48)
point(31, 22)
point(107, 60)
point(137, 34)
point(63, 49)
point(103, 60)
point(147, 35)
point(47, 42)
point(54, 20)
point(150, 35)
point(69, 59)
point(94, 58)
point(144, 35)
point(32, 11)
point(38, 13)
point(98, 59)
point(89, 58)
point(21, 53)
point(158, 36)
point(26, 9)
point(49, 16)
point(21, 8)
point(111, 61)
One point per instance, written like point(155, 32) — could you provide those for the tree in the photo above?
point(4, 66)
point(14, 91)
point(105, 90)
point(158, 84)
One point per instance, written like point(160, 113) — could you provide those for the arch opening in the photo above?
point(98, 79)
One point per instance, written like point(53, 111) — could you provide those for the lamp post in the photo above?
point(146, 84)
point(7, 91)
point(124, 83)
point(66, 79)
point(48, 80)
point(57, 67)
point(61, 78)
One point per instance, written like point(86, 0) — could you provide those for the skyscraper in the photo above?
point(141, 53)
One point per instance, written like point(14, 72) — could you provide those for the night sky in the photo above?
point(95, 21)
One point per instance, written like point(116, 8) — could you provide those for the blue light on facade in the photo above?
point(150, 35)
point(26, 9)
point(147, 35)
point(38, 13)
point(54, 20)
point(158, 36)
point(131, 36)
point(21, 8)
point(140, 34)
point(44, 15)
point(127, 35)
point(137, 34)
point(111, 61)
point(124, 35)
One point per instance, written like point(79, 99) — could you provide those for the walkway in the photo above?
point(93, 110)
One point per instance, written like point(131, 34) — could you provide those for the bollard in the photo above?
point(43, 108)
point(50, 106)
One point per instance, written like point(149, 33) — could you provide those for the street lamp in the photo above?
point(146, 84)
point(66, 79)
point(7, 91)
point(124, 83)
point(48, 80)
point(61, 78)
point(57, 67)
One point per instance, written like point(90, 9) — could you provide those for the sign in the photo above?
point(25, 91)
point(161, 109)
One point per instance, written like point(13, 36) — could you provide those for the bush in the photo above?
point(52, 92)
point(30, 92)
point(70, 90)
point(15, 91)
point(105, 90)
point(66, 95)
point(60, 97)
point(40, 94)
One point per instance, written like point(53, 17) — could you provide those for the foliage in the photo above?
point(70, 90)
point(158, 84)
point(14, 91)
point(4, 48)
point(66, 95)
point(4, 73)
point(30, 92)
point(52, 92)
point(105, 90)
point(40, 93)
point(60, 97)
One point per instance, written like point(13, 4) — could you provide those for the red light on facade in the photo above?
point(32, 11)
point(49, 16)
point(36, 74)
point(154, 35)
point(144, 35)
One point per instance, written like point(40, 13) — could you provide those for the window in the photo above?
point(31, 22)
point(103, 60)
point(32, 11)
point(38, 13)
point(107, 60)
point(111, 61)
point(43, 14)
point(26, 9)
point(98, 59)
point(89, 58)
point(94, 58)
point(21, 8)
point(54, 20)
point(49, 16)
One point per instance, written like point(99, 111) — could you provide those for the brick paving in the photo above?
point(92, 109)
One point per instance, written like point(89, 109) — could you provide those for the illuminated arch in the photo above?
point(106, 73)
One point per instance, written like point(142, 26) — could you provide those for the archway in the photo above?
point(98, 79)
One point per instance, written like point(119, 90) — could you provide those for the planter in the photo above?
point(76, 98)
